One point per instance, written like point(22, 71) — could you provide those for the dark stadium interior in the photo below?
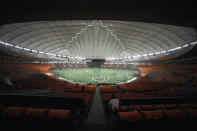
point(163, 97)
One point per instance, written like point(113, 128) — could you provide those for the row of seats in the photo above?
point(107, 88)
point(176, 74)
point(155, 107)
point(33, 76)
point(140, 85)
point(27, 77)
point(29, 112)
point(162, 93)
point(156, 81)
point(159, 77)
point(108, 96)
point(137, 116)
point(35, 118)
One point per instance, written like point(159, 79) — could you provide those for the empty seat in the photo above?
point(133, 116)
point(153, 115)
point(147, 107)
point(137, 108)
point(175, 114)
point(121, 108)
point(12, 111)
point(59, 114)
point(160, 107)
point(35, 112)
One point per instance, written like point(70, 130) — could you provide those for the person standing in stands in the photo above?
point(113, 103)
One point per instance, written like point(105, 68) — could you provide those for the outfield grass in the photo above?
point(96, 75)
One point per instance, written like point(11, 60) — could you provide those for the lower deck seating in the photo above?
point(177, 114)
point(107, 88)
point(128, 108)
point(29, 112)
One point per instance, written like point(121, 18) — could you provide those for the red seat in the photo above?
point(59, 114)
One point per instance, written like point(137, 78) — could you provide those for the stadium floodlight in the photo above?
point(35, 51)
point(27, 49)
point(18, 47)
point(170, 50)
point(150, 54)
point(48, 53)
point(163, 52)
point(41, 52)
point(2, 42)
point(125, 57)
point(185, 45)
point(80, 58)
point(193, 43)
point(129, 57)
point(158, 53)
point(7, 44)
point(144, 54)
point(53, 54)
point(177, 48)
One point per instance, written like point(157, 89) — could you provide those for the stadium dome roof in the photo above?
point(96, 38)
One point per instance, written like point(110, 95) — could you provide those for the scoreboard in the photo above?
point(94, 62)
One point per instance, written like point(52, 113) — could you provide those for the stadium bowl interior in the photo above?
point(60, 67)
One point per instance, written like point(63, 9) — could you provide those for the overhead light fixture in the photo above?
point(193, 43)
point(18, 47)
point(26, 49)
point(150, 54)
point(163, 52)
point(157, 53)
point(35, 51)
point(185, 45)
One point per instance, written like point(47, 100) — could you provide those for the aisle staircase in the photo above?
point(96, 117)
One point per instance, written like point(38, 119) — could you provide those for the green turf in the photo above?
point(96, 75)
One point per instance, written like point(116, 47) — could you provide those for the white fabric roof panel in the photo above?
point(96, 38)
